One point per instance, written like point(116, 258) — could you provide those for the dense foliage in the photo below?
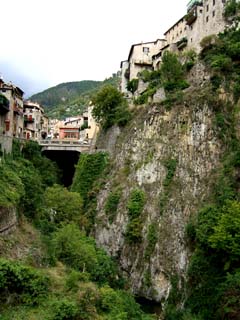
point(110, 107)
point(66, 92)
point(112, 204)
point(60, 206)
point(232, 9)
point(73, 248)
point(213, 287)
point(79, 280)
point(132, 85)
point(24, 177)
point(23, 283)
point(170, 76)
point(88, 170)
point(135, 207)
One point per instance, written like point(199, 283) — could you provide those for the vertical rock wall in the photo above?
point(186, 135)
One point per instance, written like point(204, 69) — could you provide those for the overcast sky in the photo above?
point(47, 42)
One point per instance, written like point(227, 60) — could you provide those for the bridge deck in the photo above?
point(66, 145)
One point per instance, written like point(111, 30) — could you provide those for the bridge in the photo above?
point(66, 145)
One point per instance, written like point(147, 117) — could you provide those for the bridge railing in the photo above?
point(65, 142)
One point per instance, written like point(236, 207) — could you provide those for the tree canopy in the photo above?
point(110, 107)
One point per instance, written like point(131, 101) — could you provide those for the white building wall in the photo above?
point(141, 57)
point(124, 79)
point(177, 32)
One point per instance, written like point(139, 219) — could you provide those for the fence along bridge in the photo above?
point(67, 145)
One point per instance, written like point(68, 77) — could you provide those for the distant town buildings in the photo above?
point(203, 18)
point(26, 120)
point(81, 128)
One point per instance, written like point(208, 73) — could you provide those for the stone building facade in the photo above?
point(204, 18)
point(139, 58)
point(11, 114)
point(35, 122)
point(176, 32)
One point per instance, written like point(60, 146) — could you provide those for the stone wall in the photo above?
point(176, 32)
point(209, 21)
point(6, 143)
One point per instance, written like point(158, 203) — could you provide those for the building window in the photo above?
point(207, 7)
point(213, 13)
point(214, 2)
point(7, 125)
point(145, 49)
point(207, 19)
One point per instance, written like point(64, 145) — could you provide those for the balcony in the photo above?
point(127, 73)
point(191, 16)
point(145, 61)
point(182, 43)
point(4, 104)
point(28, 118)
point(17, 110)
point(193, 3)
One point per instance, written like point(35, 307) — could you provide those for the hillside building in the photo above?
point(11, 114)
point(35, 121)
point(139, 58)
point(203, 18)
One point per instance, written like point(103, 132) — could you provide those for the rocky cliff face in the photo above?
point(169, 155)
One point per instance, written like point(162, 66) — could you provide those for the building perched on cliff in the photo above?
point(11, 114)
point(35, 121)
point(139, 58)
point(203, 18)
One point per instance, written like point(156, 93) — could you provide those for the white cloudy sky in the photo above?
point(46, 42)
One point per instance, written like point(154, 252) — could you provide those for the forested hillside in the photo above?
point(64, 92)
point(70, 98)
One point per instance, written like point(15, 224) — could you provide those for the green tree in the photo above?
point(132, 85)
point(47, 169)
point(172, 72)
point(78, 251)
point(74, 249)
point(63, 205)
point(88, 170)
point(31, 197)
point(226, 235)
point(110, 107)
point(231, 9)
point(12, 188)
